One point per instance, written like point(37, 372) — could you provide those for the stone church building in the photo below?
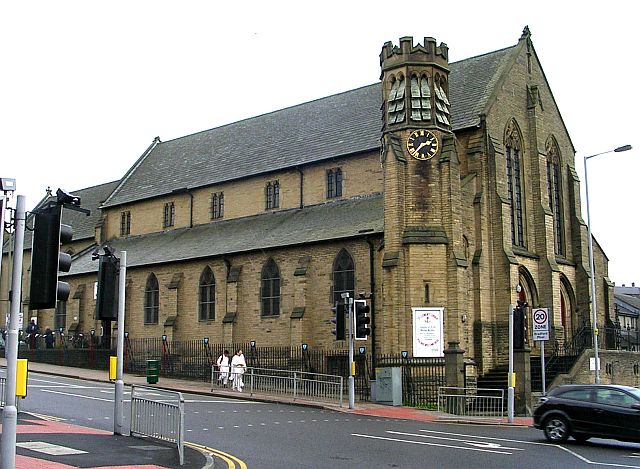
point(444, 185)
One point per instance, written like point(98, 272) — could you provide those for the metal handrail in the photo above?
point(296, 384)
point(472, 403)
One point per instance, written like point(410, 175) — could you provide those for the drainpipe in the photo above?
point(227, 264)
point(373, 306)
point(301, 186)
point(190, 208)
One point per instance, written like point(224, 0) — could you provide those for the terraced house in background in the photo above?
point(444, 185)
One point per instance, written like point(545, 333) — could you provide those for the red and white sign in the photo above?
point(541, 324)
point(428, 334)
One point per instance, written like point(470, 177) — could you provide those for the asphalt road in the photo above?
point(263, 435)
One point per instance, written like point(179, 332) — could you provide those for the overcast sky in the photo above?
point(85, 86)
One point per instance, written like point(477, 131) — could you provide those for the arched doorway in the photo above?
point(528, 298)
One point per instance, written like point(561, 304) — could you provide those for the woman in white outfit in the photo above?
point(238, 366)
point(223, 368)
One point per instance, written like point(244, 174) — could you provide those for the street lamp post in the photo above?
point(594, 323)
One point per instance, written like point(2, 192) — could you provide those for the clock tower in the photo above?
point(423, 240)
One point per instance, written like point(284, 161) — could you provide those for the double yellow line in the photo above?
point(226, 457)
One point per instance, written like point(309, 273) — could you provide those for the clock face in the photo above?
point(422, 144)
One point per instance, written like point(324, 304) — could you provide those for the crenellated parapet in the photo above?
point(407, 53)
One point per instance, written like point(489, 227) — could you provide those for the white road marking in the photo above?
point(48, 448)
point(426, 443)
point(479, 444)
point(78, 395)
point(562, 448)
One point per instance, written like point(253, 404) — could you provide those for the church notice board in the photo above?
point(428, 334)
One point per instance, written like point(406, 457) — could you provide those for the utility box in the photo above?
point(388, 386)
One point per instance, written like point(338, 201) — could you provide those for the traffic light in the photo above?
point(338, 320)
point(520, 325)
point(47, 260)
point(362, 319)
point(107, 295)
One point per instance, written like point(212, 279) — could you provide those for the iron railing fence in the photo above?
point(192, 359)
point(471, 403)
point(157, 413)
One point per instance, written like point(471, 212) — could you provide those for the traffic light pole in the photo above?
point(510, 390)
point(119, 388)
point(348, 303)
point(10, 412)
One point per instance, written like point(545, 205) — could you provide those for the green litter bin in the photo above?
point(153, 371)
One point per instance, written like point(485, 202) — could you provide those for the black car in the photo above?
point(593, 410)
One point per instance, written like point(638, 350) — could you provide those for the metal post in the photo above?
point(119, 391)
point(351, 380)
point(594, 317)
point(544, 377)
point(10, 412)
point(592, 271)
point(510, 397)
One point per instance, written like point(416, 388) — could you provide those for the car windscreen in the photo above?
point(635, 392)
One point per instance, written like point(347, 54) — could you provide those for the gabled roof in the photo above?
point(332, 127)
point(83, 225)
point(629, 303)
point(344, 219)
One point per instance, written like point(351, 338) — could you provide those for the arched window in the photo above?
point(513, 148)
point(343, 276)
point(272, 195)
point(270, 289)
point(528, 294)
point(567, 308)
point(151, 300)
point(555, 192)
point(334, 183)
point(207, 296)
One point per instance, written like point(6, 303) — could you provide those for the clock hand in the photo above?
point(420, 146)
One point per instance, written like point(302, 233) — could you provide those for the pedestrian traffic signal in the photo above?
point(107, 295)
point(362, 319)
point(338, 321)
point(47, 260)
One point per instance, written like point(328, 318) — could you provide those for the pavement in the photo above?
point(46, 442)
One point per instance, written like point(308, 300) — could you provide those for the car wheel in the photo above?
point(556, 429)
point(581, 437)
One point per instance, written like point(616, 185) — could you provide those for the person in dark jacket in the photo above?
point(49, 339)
point(32, 332)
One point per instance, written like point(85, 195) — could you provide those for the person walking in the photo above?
point(238, 367)
point(32, 332)
point(49, 339)
point(223, 368)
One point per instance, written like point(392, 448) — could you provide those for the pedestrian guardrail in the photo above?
point(157, 413)
point(299, 385)
point(473, 403)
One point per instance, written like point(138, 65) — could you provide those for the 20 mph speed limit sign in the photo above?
point(541, 324)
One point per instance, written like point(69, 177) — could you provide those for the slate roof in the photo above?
point(83, 226)
point(630, 303)
point(347, 218)
point(331, 127)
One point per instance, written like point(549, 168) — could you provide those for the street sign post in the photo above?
point(541, 324)
point(541, 334)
